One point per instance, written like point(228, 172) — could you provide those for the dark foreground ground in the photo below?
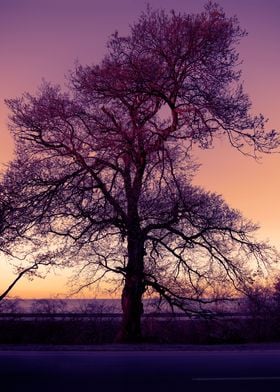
point(140, 368)
point(89, 329)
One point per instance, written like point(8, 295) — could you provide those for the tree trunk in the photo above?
point(133, 290)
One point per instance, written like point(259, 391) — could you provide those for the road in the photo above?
point(143, 371)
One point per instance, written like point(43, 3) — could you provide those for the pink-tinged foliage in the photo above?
point(103, 171)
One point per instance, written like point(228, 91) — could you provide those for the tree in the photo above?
point(104, 169)
point(14, 235)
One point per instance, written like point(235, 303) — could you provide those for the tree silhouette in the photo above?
point(103, 170)
point(26, 253)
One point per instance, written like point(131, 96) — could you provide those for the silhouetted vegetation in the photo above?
point(102, 179)
point(98, 330)
point(254, 319)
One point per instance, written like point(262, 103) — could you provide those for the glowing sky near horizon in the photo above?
point(43, 38)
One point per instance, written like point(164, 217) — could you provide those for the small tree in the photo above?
point(104, 170)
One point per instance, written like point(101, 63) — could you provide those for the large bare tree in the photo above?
point(103, 170)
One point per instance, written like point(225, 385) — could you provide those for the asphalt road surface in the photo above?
point(143, 371)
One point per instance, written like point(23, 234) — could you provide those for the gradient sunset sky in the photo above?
point(43, 38)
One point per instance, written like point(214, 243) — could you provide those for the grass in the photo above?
point(75, 331)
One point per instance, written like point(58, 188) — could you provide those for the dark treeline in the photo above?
point(251, 319)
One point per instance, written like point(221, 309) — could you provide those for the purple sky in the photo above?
point(42, 39)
